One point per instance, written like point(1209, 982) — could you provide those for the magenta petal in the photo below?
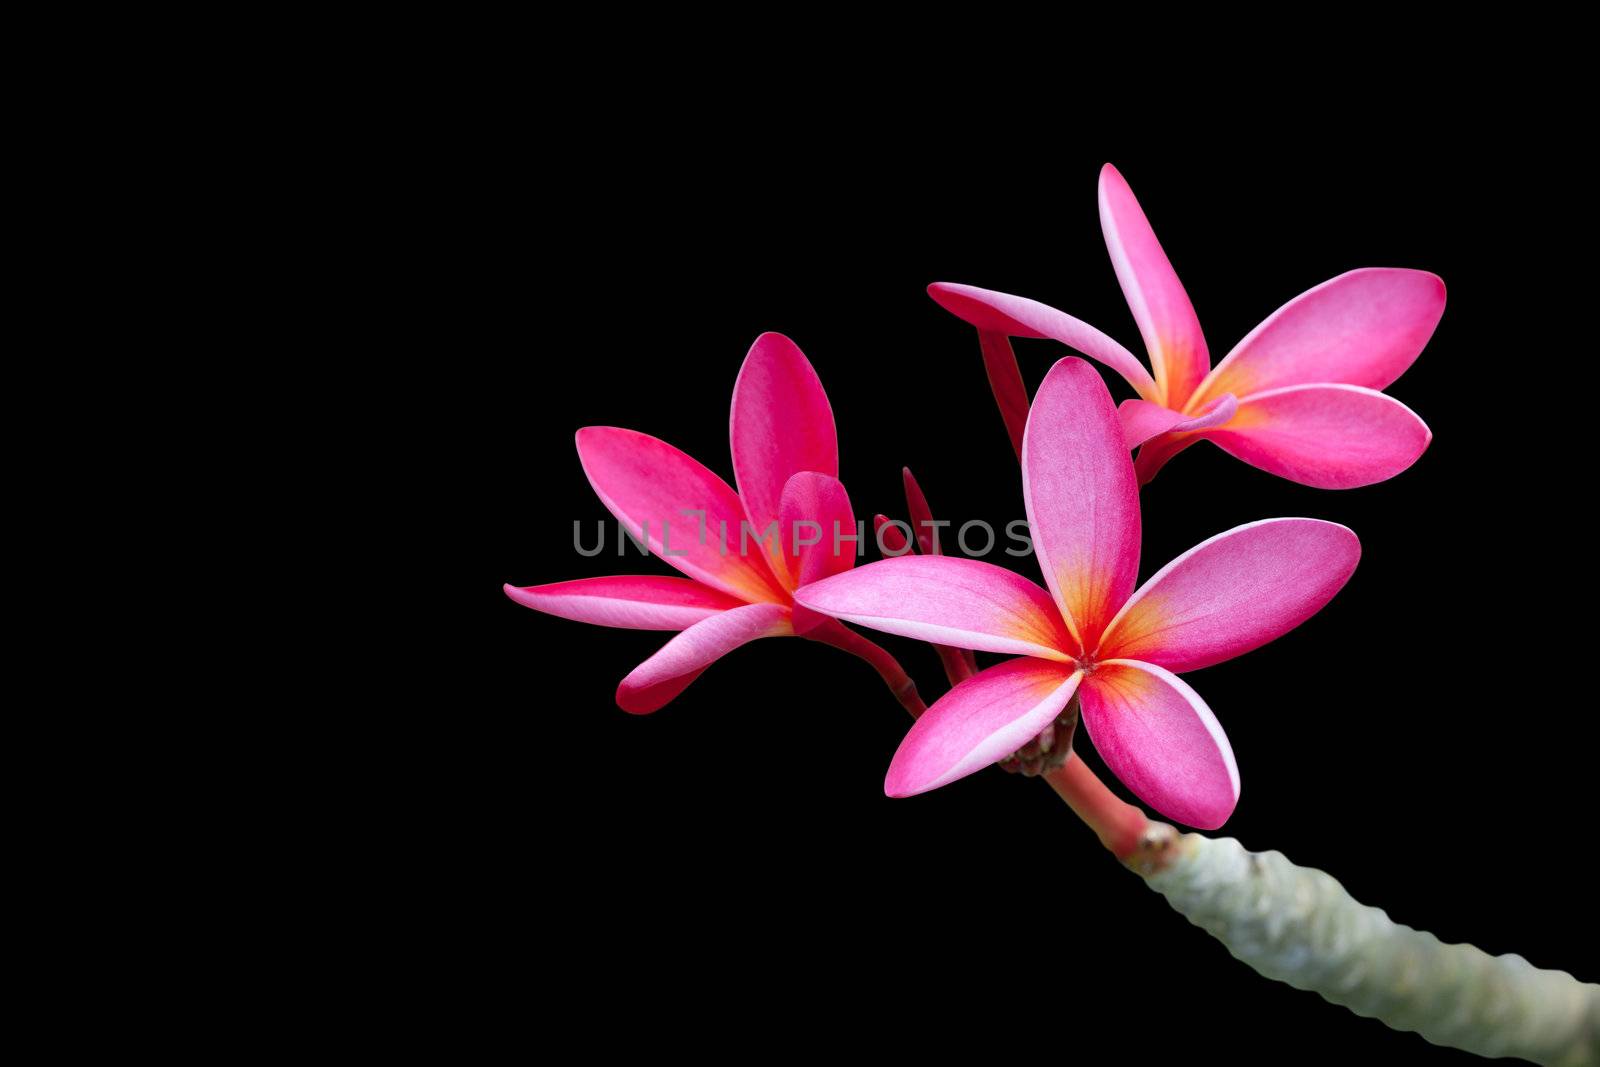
point(922, 527)
point(1005, 381)
point(816, 509)
point(634, 602)
point(781, 424)
point(986, 717)
point(647, 484)
point(1018, 316)
point(1233, 592)
point(1361, 328)
point(1081, 496)
point(1160, 306)
point(891, 538)
point(1162, 741)
point(667, 673)
point(1328, 436)
point(947, 600)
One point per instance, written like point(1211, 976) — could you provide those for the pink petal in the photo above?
point(633, 602)
point(646, 483)
point(947, 600)
point(1160, 306)
point(1159, 737)
point(1328, 436)
point(1081, 497)
point(1017, 316)
point(1361, 328)
point(820, 501)
point(1232, 593)
point(1142, 420)
point(781, 424)
point(986, 717)
point(667, 673)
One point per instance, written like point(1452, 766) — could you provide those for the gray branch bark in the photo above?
point(1299, 926)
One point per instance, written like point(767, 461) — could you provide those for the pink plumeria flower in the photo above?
point(786, 463)
point(1093, 636)
point(1299, 397)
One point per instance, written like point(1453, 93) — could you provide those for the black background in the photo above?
point(1427, 738)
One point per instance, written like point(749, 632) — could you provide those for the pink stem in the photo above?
point(1119, 825)
point(894, 676)
point(956, 665)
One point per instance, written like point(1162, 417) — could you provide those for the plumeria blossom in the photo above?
point(786, 465)
point(1091, 634)
point(1299, 397)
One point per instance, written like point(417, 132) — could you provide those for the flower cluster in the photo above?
point(1299, 397)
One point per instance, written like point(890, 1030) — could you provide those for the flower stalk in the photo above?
point(1119, 825)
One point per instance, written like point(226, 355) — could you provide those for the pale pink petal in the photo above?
point(947, 600)
point(1361, 328)
point(985, 718)
point(1232, 593)
point(668, 672)
point(1081, 496)
point(683, 509)
point(1017, 316)
point(1159, 737)
point(1214, 413)
point(781, 424)
point(820, 535)
point(1142, 420)
point(633, 602)
point(958, 662)
point(1328, 436)
point(1160, 306)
